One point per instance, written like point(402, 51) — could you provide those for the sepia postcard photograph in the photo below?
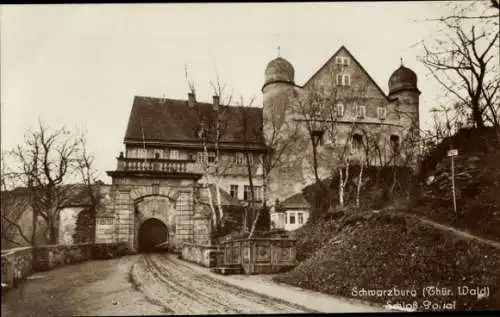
point(334, 157)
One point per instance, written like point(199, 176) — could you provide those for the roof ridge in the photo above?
point(185, 100)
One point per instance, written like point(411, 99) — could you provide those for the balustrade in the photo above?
point(145, 165)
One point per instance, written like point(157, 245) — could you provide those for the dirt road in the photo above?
point(137, 285)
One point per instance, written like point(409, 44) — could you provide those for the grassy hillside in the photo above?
point(384, 251)
point(477, 181)
point(342, 250)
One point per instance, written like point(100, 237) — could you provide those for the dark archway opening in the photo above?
point(152, 233)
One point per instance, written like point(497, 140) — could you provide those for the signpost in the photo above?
point(452, 153)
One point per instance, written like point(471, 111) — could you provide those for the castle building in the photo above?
point(174, 155)
point(180, 155)
point(342, 114)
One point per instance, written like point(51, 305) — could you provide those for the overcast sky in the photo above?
point(81, 65)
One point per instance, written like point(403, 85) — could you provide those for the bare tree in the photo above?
point(48, 165)
point(12, 209)
point(251, 131)
point(321, 112)
point(85, 166)
point(212, 127)
point(463, 58)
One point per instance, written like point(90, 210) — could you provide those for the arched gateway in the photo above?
point(151, 233)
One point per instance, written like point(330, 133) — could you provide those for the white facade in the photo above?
point(289, 219)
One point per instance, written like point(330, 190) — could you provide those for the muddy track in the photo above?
point(179, 289)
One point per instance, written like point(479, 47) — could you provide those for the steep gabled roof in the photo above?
point(355, 60)
point(172, 120)
point(295, 201)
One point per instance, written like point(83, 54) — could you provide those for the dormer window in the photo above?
point(381, 113)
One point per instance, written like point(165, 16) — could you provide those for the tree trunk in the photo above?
point(343, 182)
point(34, 227)
point(315, 162)
point(212, 205)
point(477, 115)
point(252, 196)
point(341, 187)
point(360, 182)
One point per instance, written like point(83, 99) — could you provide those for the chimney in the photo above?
point(191, 99)
point(216, 102)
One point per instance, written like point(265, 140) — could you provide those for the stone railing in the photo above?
point(156, 165)
point(259, 255)
point(205, 255)
point(18, 263)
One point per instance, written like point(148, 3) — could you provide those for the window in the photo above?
point(211, 157)
point(360, 111)
point(174, 154)
point(340, 110)
point(250, 158)
point(192, 156)
point(339, 60)
point(201, 157)
point(346, 80)
point(292, 218)
point(381, 113)
point(157, 154)
point(247, 193)
point(258, 192)
point(317, 137)
point(239, 158)
point(395, 143)
point(286, 219)
point(315, 111)
point(301, 218)
point(234, 191)
point(339, 79)
point(357, 142)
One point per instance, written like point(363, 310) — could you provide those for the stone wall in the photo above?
point(16, 266)
point(200, 254)
point(18, 263)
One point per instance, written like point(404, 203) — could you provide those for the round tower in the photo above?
point(279, 91)
point(404, 92)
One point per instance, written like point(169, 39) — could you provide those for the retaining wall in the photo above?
point(200, 254)
point(18, 263)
